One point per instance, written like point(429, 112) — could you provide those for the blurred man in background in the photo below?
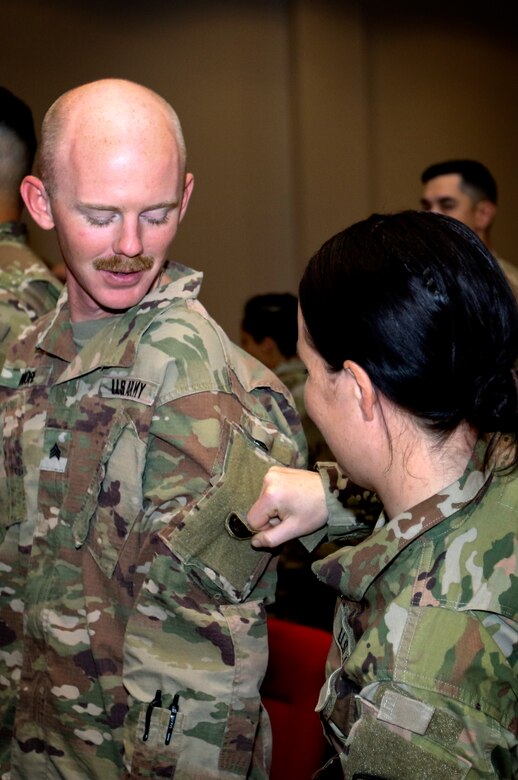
point(27, 288)
point(269, 333)
point(466, 190)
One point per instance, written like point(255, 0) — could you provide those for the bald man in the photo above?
point(135, 439)
point(27, 288)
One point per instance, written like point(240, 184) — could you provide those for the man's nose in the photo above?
point(128, 241)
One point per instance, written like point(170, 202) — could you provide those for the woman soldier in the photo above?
point(409, 332)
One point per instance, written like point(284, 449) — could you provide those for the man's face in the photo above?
point(116, 209)
point(443, 195)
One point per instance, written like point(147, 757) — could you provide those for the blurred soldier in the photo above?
point(269, 333)
point(27, 287)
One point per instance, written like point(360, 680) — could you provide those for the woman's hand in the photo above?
point(291, 504)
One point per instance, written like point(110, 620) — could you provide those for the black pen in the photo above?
point(174, 712)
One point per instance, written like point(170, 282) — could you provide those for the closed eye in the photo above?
point(157, 216)
point(98, 221)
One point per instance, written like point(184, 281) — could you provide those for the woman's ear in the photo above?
point(36, 199)
point(365, 392)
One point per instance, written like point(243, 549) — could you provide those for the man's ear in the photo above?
point(485, 212)
point(364, 389)
point(36, 199)
point(186, 195)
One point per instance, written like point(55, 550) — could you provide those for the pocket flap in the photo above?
point(204, 538)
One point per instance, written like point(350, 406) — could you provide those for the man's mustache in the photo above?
point(123, 265)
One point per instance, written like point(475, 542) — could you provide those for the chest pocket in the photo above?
point(98, 489)
point(90, 474)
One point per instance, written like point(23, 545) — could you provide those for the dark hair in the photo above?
point(417, 300)
point(16, 116)
point(274, 315)
point(476, 178)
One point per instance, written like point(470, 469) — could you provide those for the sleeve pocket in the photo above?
point(204, 541)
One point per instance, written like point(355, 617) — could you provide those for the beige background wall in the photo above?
point(300, 117)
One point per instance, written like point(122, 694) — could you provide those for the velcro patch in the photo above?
point(404, 712)
point(376, 750)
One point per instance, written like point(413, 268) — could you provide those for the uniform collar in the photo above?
point(352, 569)
point(117, 343)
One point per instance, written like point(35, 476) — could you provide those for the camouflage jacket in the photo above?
point(27, 288)
point(422, 673)
point(133, 636)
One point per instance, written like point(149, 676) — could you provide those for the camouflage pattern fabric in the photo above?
point(352, 511)
point(27, 288)
point(422, 674)
point(133, 635)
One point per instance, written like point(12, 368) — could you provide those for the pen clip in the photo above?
point(156, 702)
point(172, 718)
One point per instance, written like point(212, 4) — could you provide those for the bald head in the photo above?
point(113, 186)
point(103, 116)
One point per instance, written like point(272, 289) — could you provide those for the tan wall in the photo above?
point(300, 117)
point(444, 85)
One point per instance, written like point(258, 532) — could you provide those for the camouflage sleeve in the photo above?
point(198, 630)
point(352, 511)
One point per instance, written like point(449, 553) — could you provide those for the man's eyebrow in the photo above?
point(95, 207)
point(105, 207)
point(165, 205)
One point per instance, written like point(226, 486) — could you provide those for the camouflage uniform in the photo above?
point(422, 673)
point(125, 470)
point(27, 288)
